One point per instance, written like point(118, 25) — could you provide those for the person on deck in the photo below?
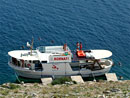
point(80, 46)
point(77, 44)
point(65, 47)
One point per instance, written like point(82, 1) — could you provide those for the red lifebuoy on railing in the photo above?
point(28, 65)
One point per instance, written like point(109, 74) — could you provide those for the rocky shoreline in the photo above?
point(90, 89)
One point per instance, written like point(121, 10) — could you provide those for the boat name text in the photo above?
point(61, 58)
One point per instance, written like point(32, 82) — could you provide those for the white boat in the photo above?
point(58, 61)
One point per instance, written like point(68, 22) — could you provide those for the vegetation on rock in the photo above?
point(101, 89)
point(63, 80)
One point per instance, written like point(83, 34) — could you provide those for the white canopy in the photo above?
point(99, 54)
point(23, 54)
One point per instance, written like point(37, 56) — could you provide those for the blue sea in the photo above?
point(98, 24)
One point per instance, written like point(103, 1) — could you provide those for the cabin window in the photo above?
point(36, 62)
point(14, 61)
point(29, 61)
point(75, 68)
point(18, 63)
point(41, 49)
point(38, 66)
point(44, 61)
point(25, 65)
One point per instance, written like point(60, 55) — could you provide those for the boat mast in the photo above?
point(31, 45)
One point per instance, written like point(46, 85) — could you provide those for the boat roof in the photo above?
point(23, 54)
point(42, 53)
point(99, 54)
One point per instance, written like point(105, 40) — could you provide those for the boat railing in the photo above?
point(29, 54)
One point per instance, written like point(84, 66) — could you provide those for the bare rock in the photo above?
point(101, 96)
point(114, 90)
point(34, 95)
point(106, 92)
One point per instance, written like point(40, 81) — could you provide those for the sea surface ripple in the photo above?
point(98, 24)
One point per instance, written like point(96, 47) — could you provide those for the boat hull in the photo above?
point(38, 75)
point(41, 74)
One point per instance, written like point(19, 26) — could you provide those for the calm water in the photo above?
point(98, 24)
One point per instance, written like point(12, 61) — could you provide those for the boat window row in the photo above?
point(35, 64)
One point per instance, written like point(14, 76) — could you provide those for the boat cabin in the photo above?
point(44, 54)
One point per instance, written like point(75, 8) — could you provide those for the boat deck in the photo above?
point(76, 58)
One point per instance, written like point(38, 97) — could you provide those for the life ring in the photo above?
point(28, 65)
